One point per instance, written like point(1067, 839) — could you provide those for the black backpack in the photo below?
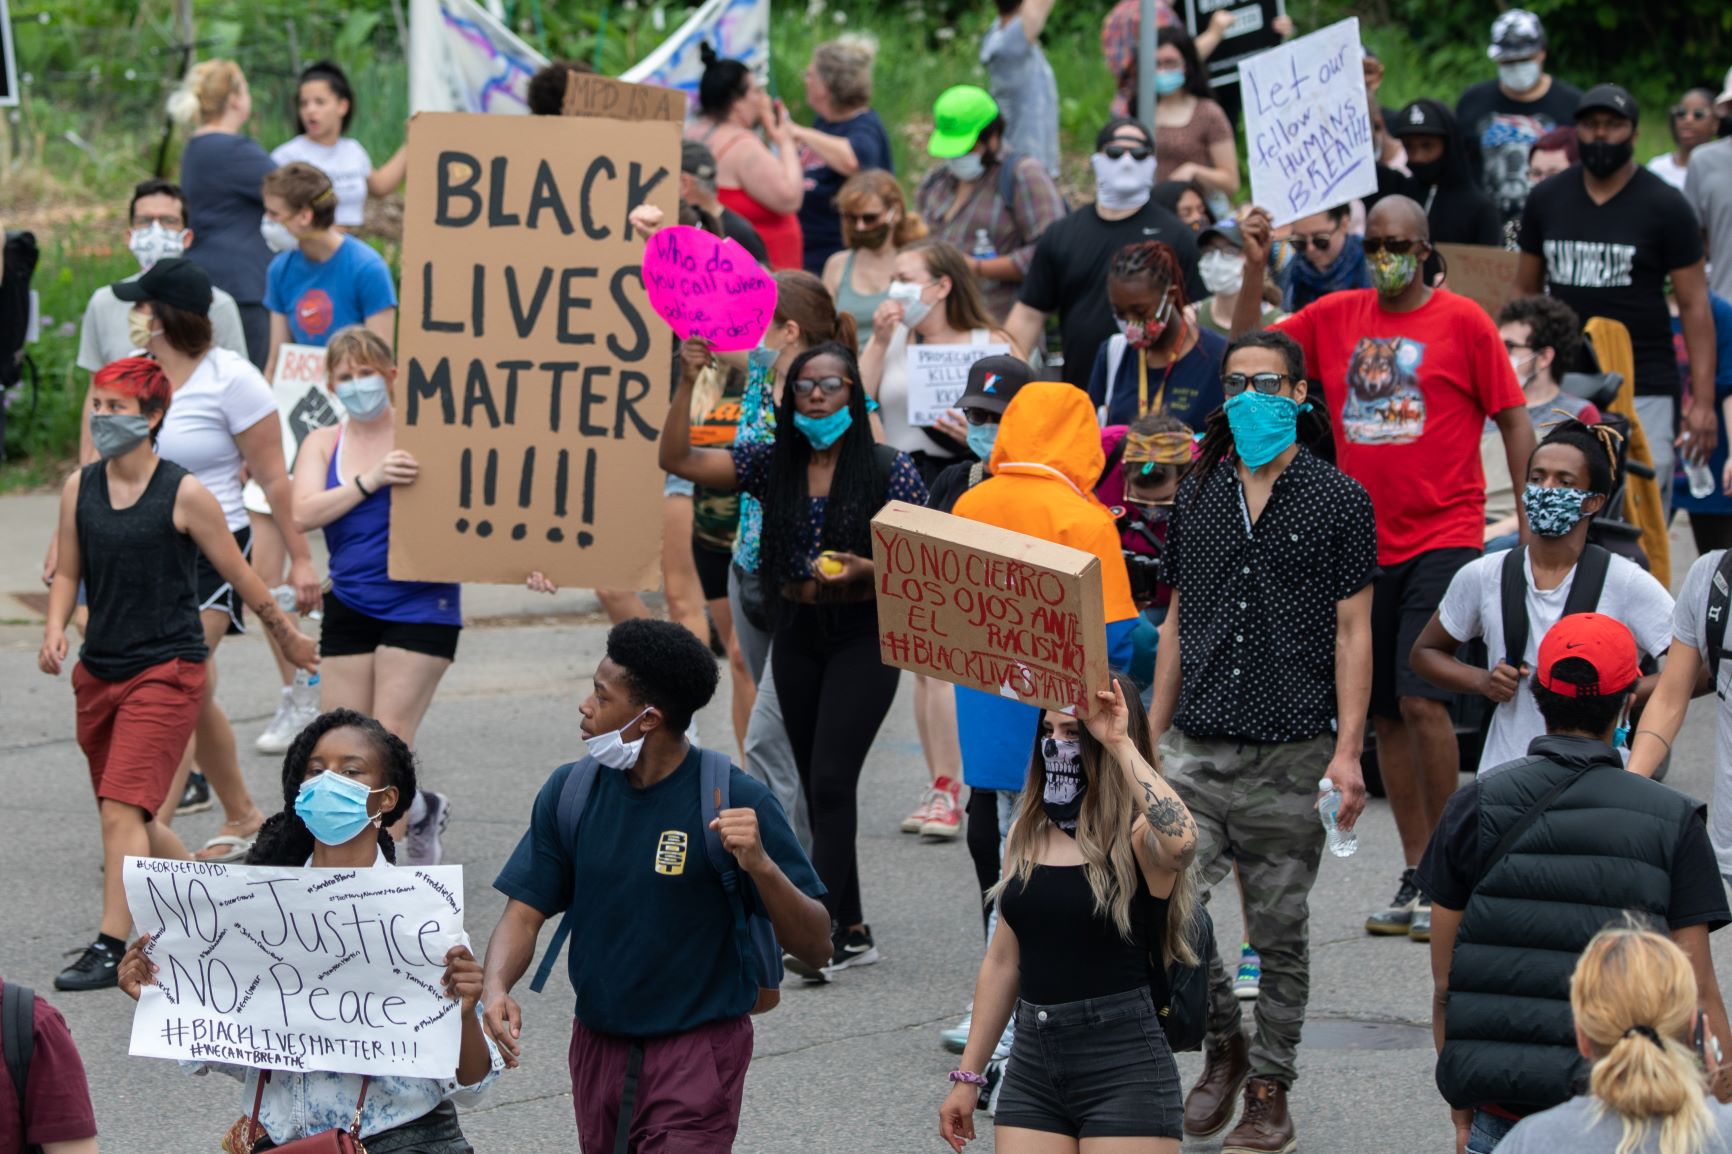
point(1719, 594)
point(18, 1039)
point(1184, 1012)
point(1584, 595)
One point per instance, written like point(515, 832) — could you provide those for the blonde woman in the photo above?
point(876, 223)
point(1638, 1022)
point(1096, 880)
point(846, 138)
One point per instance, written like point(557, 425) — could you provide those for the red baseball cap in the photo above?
point(1603, 642)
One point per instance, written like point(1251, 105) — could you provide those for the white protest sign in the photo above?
point(303, 403)
point(1307, 123)
point(298, 969)
point(937, 374)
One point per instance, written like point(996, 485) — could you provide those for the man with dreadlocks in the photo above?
point(1173, 366)
point(1261, 682)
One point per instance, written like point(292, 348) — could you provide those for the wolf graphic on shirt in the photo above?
point(1384, 403)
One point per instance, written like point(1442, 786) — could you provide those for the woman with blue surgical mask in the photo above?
point(386, 643)
point(1193, 136)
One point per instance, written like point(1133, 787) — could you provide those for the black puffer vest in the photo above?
point(1606, 845)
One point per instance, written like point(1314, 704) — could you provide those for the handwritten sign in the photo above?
point(708, 286)
point(298, 969)
point(937, 375)
point(1252, 31)
point(989, 608)
point(591, 94)
point(1483, 274)
point(535, 378)
point(1307, 123)
point(303, 402)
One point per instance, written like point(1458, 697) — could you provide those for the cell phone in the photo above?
point(1701, 1036)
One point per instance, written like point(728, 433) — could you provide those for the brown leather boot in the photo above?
point(1209, 1105)
point(1265, 1127)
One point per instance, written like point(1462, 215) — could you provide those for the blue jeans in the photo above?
point(1488, 1130)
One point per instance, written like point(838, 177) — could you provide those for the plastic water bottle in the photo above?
point(304, 694)
point(1342, 843)
point(983, 248)
point(285, 597)
point(1697, 473)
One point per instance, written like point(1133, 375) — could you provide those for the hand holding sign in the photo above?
point(709, 287)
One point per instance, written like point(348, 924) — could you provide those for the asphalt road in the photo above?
point(853, 1066)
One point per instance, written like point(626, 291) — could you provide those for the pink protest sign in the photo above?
point(709, 287)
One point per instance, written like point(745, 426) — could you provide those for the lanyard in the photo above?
point(1143, 406)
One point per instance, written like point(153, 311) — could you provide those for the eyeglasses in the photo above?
point(981, 416)
point(172, 223)
point(1399, 245)
point(1120, 151)
point(1266, 383)
point(803, 386)
point(865, 219)
point(1682, 113)
point(1512, 347)
point(1320, 240)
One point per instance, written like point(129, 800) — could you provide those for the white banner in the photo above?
point(737, 29)
point(462, 59)
point(937, 375)
point(298, 969)
point(1307, 123)
point(303, 402)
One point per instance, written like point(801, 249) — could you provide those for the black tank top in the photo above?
point(1070, 952)
point(140, 577)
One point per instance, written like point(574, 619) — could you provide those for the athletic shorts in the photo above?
point(1403, 598)
point(214, 590)
point(712, 566)
point(687, 1097)
point(134, 732)
point(348, 632)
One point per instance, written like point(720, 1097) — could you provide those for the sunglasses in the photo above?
point(1120, 151)
point(1266, 383)
point(981, 416)
point(803, 386)
point(1682, 113)
point(865, 220)
point(1399, 245)
point(1319, 240)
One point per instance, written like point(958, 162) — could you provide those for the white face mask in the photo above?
point(1222, 271)
point(1124, 183)
point(278, 236)
point(364, 397)
point(1520, 76)
point(968, 168)
point(155, 243)
point(613, 751)
point(1519, 363)
point(914, 309)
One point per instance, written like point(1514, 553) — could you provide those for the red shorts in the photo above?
point(688, 1093)
point(134, 732)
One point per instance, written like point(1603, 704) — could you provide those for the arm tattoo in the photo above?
point(1166, 815)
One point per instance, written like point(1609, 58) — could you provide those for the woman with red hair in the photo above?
point(132, 527)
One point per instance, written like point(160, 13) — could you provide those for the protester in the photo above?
point(1146, 460)
point(1634, 1001)
point(1442, 180)
point(221, 172)
point(1603, 239)
point(330, 820)
point(765, 186)
point(53, 1113)
point(846, 138)
point(1330, 259)
point(1067, 272)
point(648, 1017)
point(1386, 147)
point(1186, 200)
point(1021, 81)
point(545, 95)
point(931, 301)
point(1172, 365)
point(1193, 137)
point(1261, 685)
point(1570, 479)
point(1095, 901)
point(1711, 516)
point(1552, 154)
point(132, 527)
point(1510, 896)
point(324, 110)
point(1708, 185)
point(1693, 122)
point(987, 199)
point(1410, 374)
point(834, 690)
point(876, 225)
point(1119, 32)
point(1221, 267)
point(698, 189)
point(1502, 118)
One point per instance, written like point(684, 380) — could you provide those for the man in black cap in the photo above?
point(1442, 177)
point(1500, 119)
point(992, 381)
point(1606, 236)
point(698, 189)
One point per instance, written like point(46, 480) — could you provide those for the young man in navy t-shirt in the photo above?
point(660, 981)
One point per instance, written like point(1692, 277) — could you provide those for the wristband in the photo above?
point(969, 1077)
point(361, 487)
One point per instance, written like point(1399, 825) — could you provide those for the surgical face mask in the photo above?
point(116, 433)
point(968, 168)
point(138, 330)
point(334, 808)
point(1222, 271)
point(1603, 158)
point(1553, 512)
point(1124, 183)
point(1520, 75)
point(1062, 794)
point(364, 397)
point(1168, 80)
point(155, 243)
point(822, 432)
point(612, 750)
point(1263, 425)
point(277, 235)
point(1391, 273)
point(981, 439)
point(914, 309)
point(1518, 363)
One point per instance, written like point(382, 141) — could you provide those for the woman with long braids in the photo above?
point(345, 779)
point(1096, 885)
point(1159, 362)
point(819, 482)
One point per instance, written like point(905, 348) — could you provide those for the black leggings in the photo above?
point(983, 845)
point(835, 690)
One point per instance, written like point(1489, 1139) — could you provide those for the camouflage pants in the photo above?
point(1254, 804)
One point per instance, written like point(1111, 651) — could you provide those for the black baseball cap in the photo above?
point(992, 381)
point(1113, 126)
point(697, 160)
point(1227, 230)
point(176, 282)
point(1609, 98)
point(1421, 118)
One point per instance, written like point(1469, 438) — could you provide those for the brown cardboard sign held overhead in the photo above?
point(590, 94)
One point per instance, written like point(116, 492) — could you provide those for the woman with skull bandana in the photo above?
point(1159, 361)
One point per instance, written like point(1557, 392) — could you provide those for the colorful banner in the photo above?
point(461, 59)
point(737, 29)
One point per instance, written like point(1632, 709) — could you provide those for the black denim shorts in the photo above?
point(1098, 1068)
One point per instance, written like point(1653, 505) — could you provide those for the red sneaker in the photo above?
point(945, 816)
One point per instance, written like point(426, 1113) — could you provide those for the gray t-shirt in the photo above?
point(1581, 1127)
point(1708, 187)
point(1022, 83)
point(103, 338)
point(1690, 625)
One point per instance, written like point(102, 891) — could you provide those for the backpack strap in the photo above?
point(18, 1033)
point(573, 798)
point(1589, 582)
point(1116, 345)
point(1007, 180)
point(1719, 594)
point(1514, 598)
point(714, 770)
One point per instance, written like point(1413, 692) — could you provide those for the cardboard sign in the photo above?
point(937, 375)
point(534, 376)
point(708, 286)
point(590, 94)
point(985, 607)
point(298, 969)
point(1253, 31)
point(1307, 123)
point(303, 403)
point(1482, 273)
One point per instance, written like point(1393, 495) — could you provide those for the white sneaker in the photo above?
point(282, 729)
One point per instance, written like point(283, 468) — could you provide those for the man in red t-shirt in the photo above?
point(1409, 375)
point(56, 1113)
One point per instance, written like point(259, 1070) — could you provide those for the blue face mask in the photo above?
point(364, 397)
point(981, 439)
point(822, 432)
point(1263, 426)
point(1168, 80)
point(1553, 512)
point(334, 808)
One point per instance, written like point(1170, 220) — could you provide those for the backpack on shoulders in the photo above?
point(1584, 596)
point(1719, 594)
point(18, 1039)
point(754, 936)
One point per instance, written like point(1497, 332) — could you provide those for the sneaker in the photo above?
point(283, 727)
point(955, 1038)
point(853, 948)
point(1399, 916)
point(1419, 929)
point(195, 798)
point(917, 820)
point(945, 820)
point(812, 975)
point(1249, 978)
point(988, 1097)
point(97, 968)
point(423, 846)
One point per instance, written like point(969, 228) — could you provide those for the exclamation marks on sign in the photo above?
point(466, 489)
point(526, 492)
